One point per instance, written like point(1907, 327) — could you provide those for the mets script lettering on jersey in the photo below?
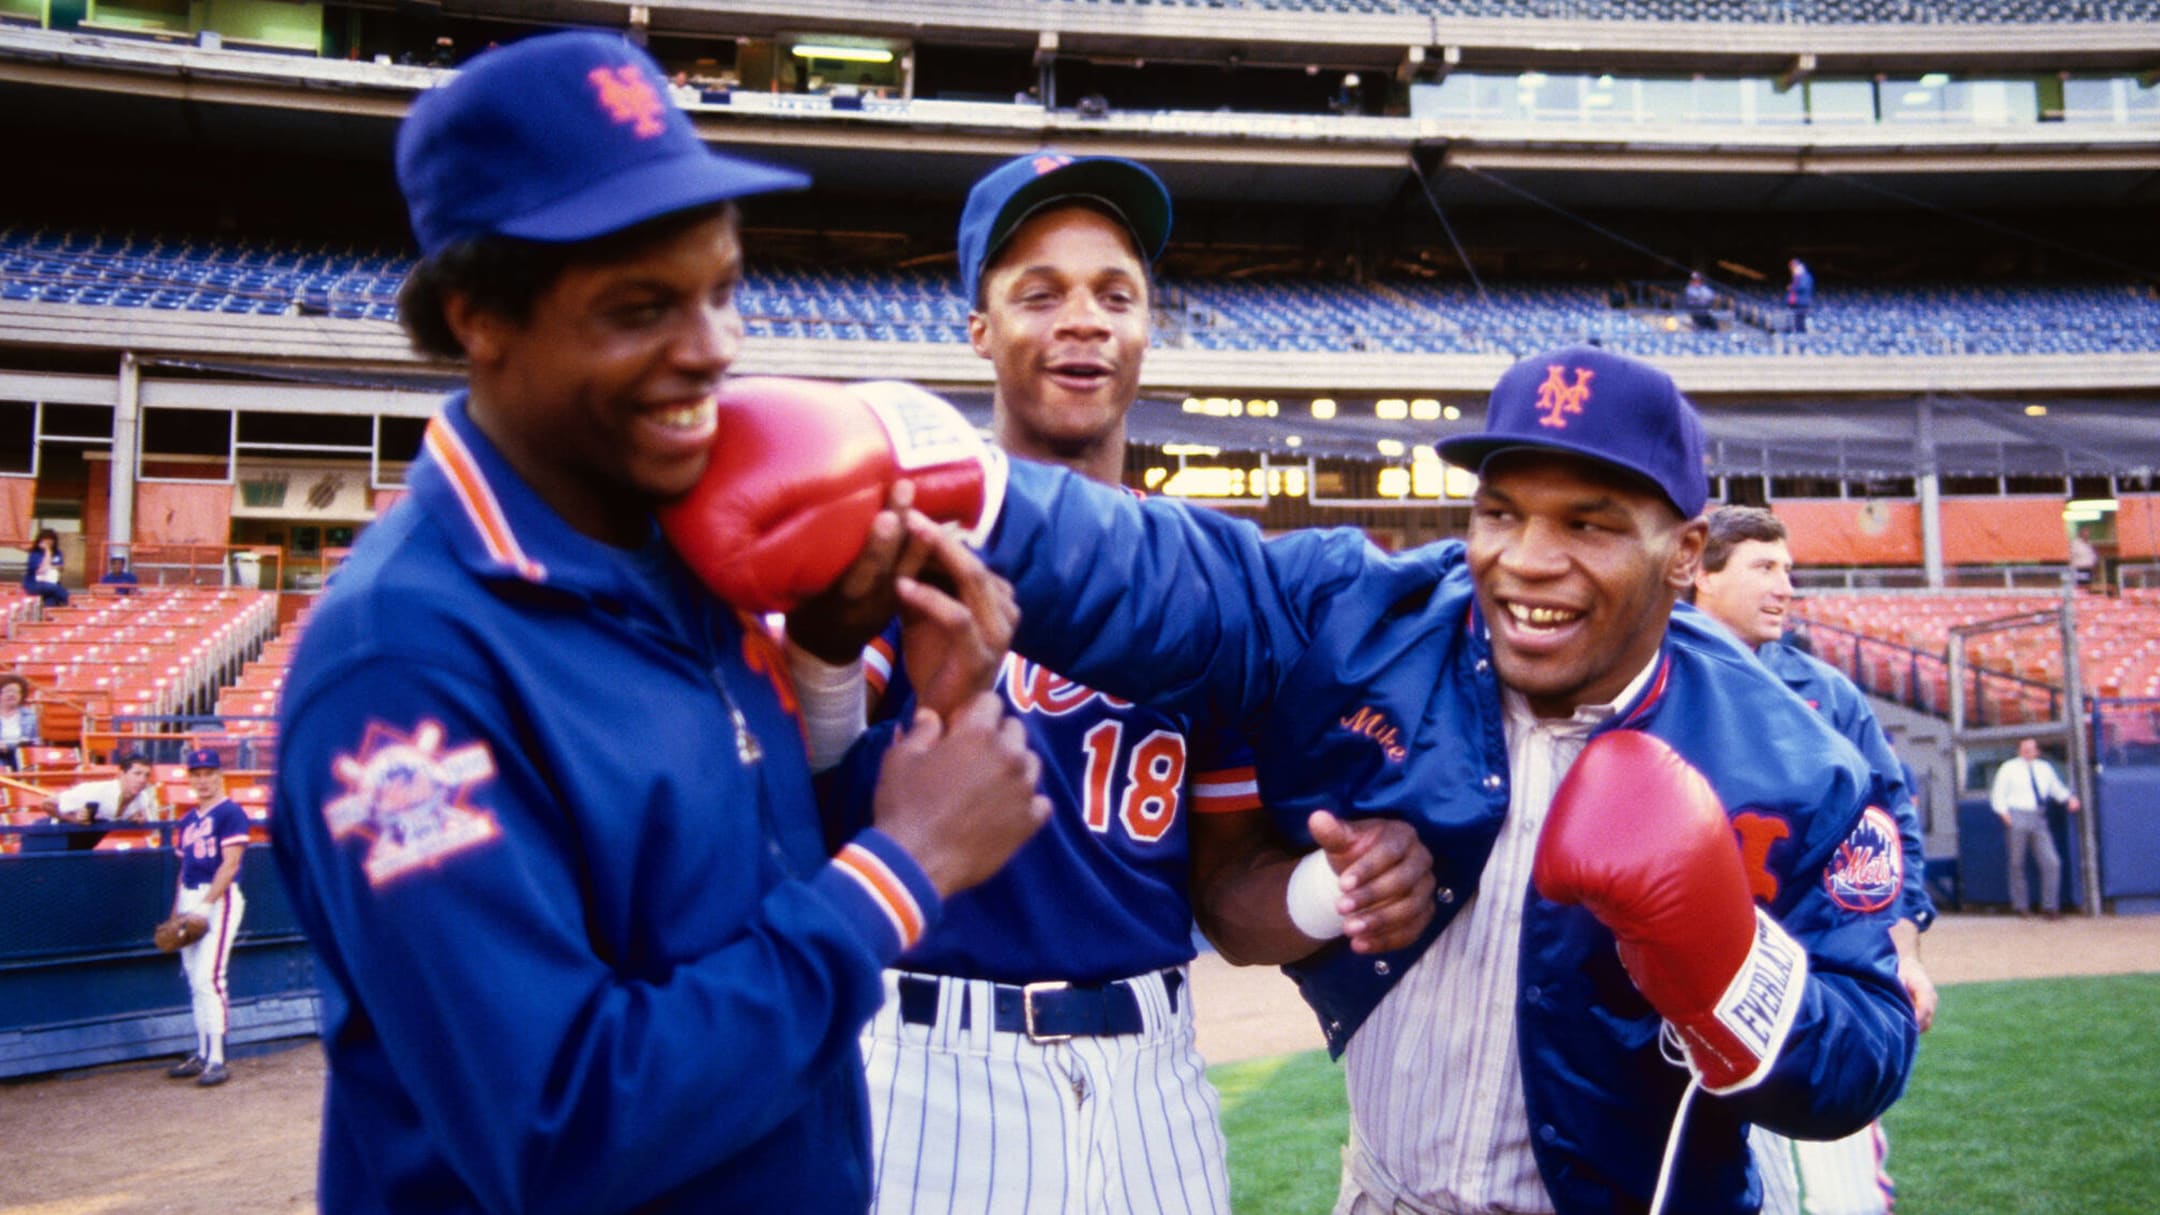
point(406, 793)
point(1374, 724)
point(1757, 833)
point(198, 838)
point(630, 98)
point(1033, 688)
point(1556, 398)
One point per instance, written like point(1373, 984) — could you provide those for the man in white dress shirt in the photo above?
point(2023, 788)
point(128, 797)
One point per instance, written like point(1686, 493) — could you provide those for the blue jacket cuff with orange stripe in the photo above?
point(885, 891)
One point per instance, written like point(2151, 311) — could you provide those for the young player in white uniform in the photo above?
point(211, 840)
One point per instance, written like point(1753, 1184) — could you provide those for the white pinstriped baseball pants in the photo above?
point(1842, 1176)
point(204, 962)
point(975, 1120)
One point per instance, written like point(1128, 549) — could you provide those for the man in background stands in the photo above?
point(2023, 788)
point(1699, 298)
point(130, 797)
point(1799, 294)
point(118, 574)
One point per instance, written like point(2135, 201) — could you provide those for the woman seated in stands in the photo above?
point(18, 720)
point(41, 574)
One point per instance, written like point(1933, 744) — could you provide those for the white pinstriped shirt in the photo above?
point(1435, 1077)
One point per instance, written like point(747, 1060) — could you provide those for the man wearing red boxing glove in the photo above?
point(1515, 1057)
point(546, 815)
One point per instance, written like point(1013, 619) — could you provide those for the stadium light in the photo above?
point(2102, 505)
point(2080, 516)
point(2036, 411)
point(1934, 80)
point(843, 54)
point(1428, 476)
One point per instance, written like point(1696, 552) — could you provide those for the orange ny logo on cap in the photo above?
point(1050, 164)
point(1556, 398)
point(629, 98)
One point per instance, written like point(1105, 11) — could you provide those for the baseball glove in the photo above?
point(180, 931)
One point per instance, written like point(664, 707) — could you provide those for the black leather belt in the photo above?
point(1045, 1012)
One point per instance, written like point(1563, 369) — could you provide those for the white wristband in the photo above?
point(1311, 895)
point(833, 701)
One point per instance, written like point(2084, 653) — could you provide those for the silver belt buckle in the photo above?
point(1027, 1009)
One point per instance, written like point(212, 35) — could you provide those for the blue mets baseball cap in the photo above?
point(1007, 195)
point(1600, 405)
point(203, 757)
point(560, 138)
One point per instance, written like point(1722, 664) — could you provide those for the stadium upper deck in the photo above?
point(1753, 12)
point(1273, 313)
point(1703, 166)
point(1463, 33)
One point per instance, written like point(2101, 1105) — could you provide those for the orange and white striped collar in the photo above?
point(465, 478)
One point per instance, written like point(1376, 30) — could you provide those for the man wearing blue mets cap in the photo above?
point(211, 840)
point(1639, 937)
point(1070, 966)
point(544, 808)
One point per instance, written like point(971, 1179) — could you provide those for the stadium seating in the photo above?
point(1897, 646)
point(1395, 316)
point(162, 651)
point(137, 271)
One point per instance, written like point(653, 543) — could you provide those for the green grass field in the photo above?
point(2039, 1097)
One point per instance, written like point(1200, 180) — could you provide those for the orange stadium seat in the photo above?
point(128, 841)
point(50, 757)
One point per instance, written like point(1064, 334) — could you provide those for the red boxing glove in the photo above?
point(799, 470)
point(1637, 836)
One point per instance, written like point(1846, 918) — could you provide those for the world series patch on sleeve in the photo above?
point(407, 793)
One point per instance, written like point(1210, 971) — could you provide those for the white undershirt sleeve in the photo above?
point(834, 704)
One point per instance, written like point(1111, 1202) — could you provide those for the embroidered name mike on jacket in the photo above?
point(1375, 725)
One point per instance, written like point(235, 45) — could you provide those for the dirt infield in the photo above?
point(124, 1139)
